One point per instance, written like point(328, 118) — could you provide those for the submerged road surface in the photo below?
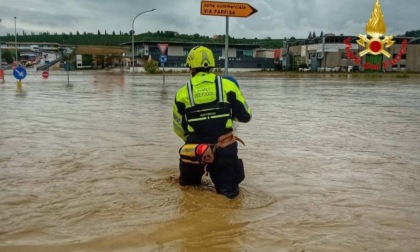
point(332, 164)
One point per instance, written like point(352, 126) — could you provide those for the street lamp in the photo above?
point(16, 42)
point(1, 60)
point(132, 35)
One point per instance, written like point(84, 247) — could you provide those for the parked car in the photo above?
point(5, 66)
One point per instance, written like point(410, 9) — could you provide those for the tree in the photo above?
point(313, 35)
point(412, 33)
point(310, 35)
point(99, 32)
point(7, 56)
point(87, 59)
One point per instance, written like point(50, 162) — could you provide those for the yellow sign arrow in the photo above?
point(212, 8)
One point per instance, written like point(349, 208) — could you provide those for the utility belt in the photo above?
point(204, 153)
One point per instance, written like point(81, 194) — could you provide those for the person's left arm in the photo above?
point(240, 110)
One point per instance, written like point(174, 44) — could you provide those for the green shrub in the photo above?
point(151, 66)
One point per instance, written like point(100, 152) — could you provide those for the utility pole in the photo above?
point(16, 47)
point(1, 63)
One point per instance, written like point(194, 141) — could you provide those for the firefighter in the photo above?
point(203, 113)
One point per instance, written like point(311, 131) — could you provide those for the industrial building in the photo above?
point(341, 53)
point(325, 53)
point(239, 55)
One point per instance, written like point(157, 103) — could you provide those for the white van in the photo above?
point(34, 48)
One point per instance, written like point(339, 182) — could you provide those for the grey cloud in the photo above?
point(275, 18)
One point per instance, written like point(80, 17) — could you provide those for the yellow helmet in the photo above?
point(200, 57)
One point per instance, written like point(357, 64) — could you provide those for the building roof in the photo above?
point(148, 42)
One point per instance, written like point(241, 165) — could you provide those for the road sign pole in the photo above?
point(163, 58)
point(67, 67)
point(163, 65)
point(227, 47)
point(1, 64)
point(19, 73)
point(19, 86)
point(213, 8)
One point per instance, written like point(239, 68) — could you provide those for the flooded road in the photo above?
point(332, 164)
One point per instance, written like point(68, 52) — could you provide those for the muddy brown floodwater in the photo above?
point(332, 164)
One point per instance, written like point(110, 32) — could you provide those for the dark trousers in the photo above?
point(226, 172)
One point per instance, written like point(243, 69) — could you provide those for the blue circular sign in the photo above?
point(163, 58)
point(19, 73)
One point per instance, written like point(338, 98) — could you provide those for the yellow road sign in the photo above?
point(212, 8)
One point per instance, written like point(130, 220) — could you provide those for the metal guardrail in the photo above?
point(45, 66)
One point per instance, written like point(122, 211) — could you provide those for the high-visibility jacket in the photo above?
point(207, 105)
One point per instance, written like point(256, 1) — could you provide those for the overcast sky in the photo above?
point(275, 18)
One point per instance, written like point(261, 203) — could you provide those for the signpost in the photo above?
point(163, 58)
point(227, 9)
point(68, 68)
point(162, 48)
point(47, 62)
point(1, 63)
point(20, 74)
point(45, 74)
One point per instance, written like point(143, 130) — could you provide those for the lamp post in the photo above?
point(1, 64)
point(16, 48)
point(132, 35)
point(1, 60)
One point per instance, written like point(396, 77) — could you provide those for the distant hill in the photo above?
point(113, 39)
point(412, 34)
point(117, 39)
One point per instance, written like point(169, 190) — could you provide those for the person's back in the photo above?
point(204, 110)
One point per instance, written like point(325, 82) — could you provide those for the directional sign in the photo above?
point(163, 58)
point(162, 47)
point(19, 73)
point(212, 8)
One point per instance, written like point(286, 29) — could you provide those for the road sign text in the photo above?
point(226, 9)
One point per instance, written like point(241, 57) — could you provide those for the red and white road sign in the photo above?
point(45, 74)
point(162, 48)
